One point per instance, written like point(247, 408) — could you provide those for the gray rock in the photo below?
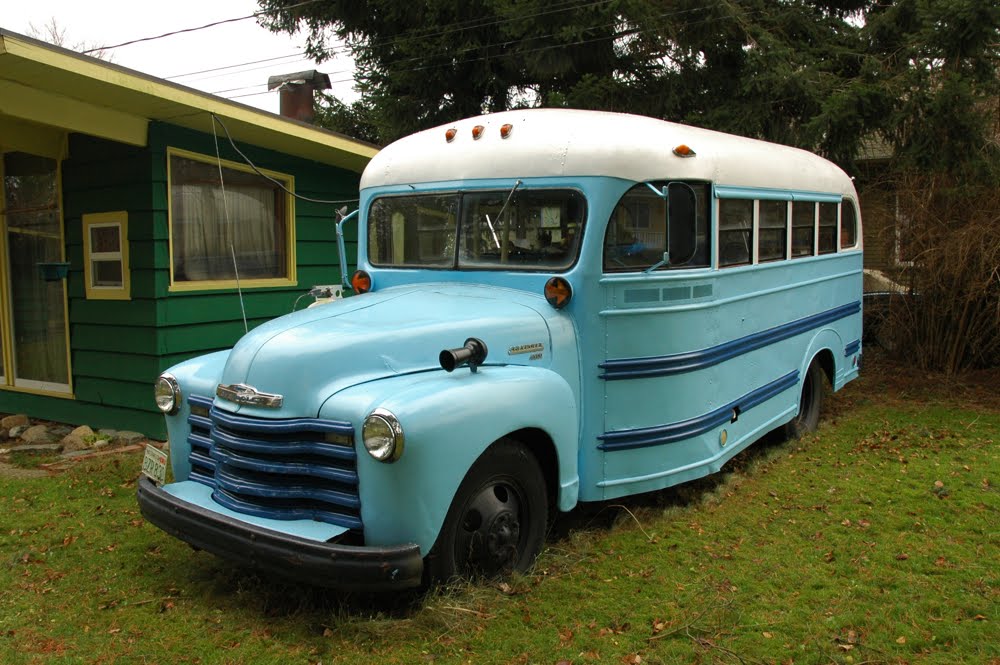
point(37, 448)
point(14, 421)
point(16, 430)
point(60, 430)
point(71, 442)
point(126, 438)
point(38, 434)
point(82, 431)
point(108, 434)
point(101, 443)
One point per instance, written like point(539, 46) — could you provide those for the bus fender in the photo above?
point(448, 421)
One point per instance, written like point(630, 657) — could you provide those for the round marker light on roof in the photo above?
point(558, 292)
point(450, 135)
point(684, 151)
point(505, 130)
point(361, 282)
point(477, 131)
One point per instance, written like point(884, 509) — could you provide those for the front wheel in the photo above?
point(496, 522)
point(810, 402)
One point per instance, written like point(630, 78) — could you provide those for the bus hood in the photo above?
point(308, 356)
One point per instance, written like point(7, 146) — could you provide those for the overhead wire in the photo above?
point(497, 56)
point(200, 27)
point(297, 54)
point(278, 183)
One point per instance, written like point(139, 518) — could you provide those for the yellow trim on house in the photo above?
point(6, 352)
point(290, 222)
point(30, 103)
point(19, 135)
point(40, 391)
point(101, 90)
point(118, 219)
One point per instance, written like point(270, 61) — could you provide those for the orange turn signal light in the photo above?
point(558, 292)
point(361, 282)
point(450, 135)
point(505, 130)
point(477, 131)
point(684, 151)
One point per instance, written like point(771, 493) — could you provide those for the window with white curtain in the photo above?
point(248, 234)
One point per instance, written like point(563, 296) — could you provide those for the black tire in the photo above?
point(496, 522)
point(810, 402)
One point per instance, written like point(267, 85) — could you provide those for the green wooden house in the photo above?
point(128, 218)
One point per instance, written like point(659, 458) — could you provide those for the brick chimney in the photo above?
point(297, 92)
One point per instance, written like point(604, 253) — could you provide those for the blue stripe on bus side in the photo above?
point(679, 363)
point(643, 437)
point(852, 348)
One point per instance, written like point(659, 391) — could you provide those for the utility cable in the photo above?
point(200, 27)
point(278, 183)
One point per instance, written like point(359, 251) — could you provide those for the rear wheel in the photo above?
point(496, 522)
point(810, 402)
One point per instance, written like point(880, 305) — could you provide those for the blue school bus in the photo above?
point(553, 306)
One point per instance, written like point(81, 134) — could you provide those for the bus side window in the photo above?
point(772, 230)
point(735, 227)
point(827, 228)
point(636, 235)
point(803, 228)
point(848, 225)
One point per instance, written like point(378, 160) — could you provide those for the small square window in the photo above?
point(105, 255)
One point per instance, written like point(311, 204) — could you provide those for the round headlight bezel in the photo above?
point(167, 388)
point(382, 435)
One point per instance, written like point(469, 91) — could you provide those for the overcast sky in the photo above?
point(178, 57)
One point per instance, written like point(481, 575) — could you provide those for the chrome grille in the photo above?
point(299, 468)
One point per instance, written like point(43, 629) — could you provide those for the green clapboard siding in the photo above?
point(82, 412)
point(119, 347)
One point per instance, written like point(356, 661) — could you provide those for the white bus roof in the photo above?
point(563, 142)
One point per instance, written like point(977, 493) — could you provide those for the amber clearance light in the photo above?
point(450, 135)
point(505, 130)
point(684, 150)
point(361, 282)
point(477, 131)
point(558, 292)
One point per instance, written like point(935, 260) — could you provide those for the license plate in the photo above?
point(154, 464)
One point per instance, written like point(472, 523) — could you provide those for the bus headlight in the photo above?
point(167, 394)
point(383, 435)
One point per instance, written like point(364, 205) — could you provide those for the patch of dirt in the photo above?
point(11, 471)
point(893, 382)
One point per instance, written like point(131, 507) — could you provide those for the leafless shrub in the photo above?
point(951, 233)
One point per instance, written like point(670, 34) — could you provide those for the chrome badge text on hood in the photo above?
point(241, 393)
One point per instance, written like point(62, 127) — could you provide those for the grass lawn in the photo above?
point(876, 540)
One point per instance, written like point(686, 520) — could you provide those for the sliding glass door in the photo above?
point(34, 336)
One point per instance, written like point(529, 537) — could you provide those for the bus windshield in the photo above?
point(510, 230)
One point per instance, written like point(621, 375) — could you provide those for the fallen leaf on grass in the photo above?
point(902, 556)
point(565, 636)
point(632, 659)
point(900, 640)
point(767, 635)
